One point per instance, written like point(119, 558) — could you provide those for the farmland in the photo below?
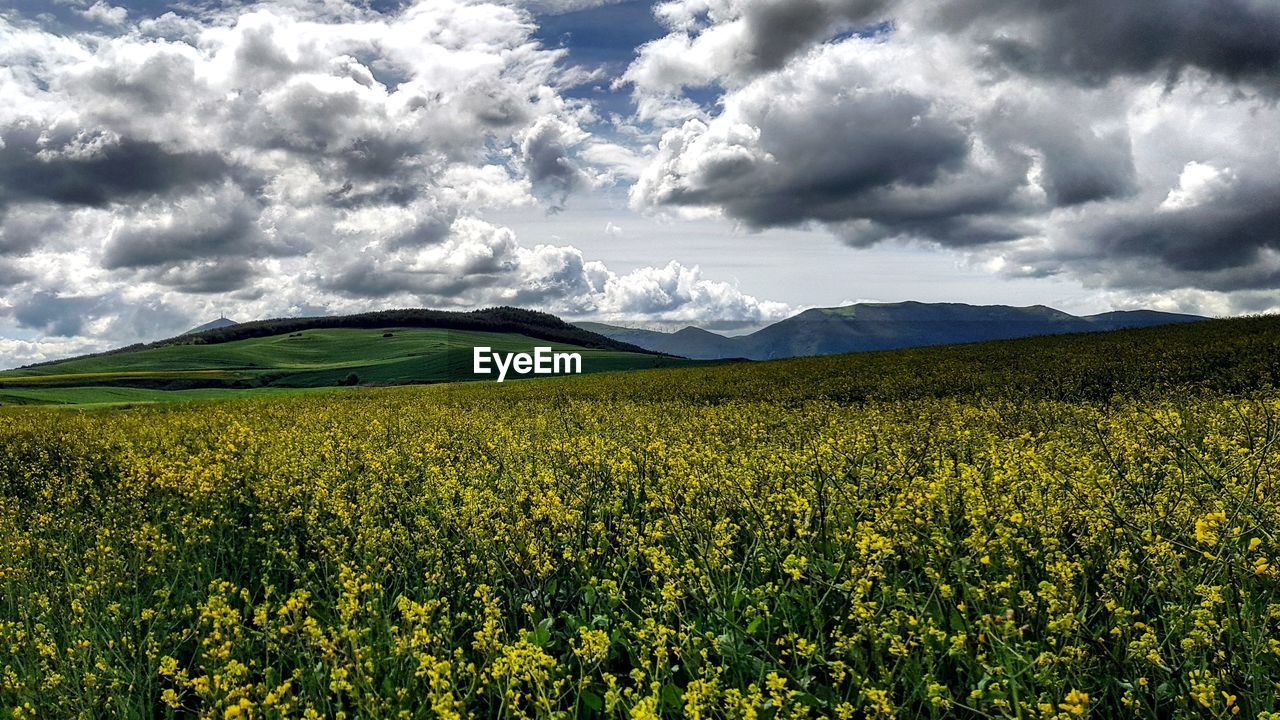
point(312, 358)
point(1067, 527)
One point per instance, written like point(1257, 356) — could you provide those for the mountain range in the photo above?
point(881, 326)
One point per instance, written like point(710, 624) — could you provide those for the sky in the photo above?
point(724, 163)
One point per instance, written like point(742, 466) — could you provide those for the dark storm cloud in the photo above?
point(1092, 41)
point(1218, 245)
point(778, 29)
point(1081, 163)
point(56, 315)
point(1088, 42)
point(884, 139)
point(223, 227)
point(11, 274)
point(549, 164)
point(1077, 173)
point(94, 171)
point(347, 196)
point(965, 226)
point(367, 279)
point(22, 231)
point(206, 277)
point(429, 229)
point(879, 164)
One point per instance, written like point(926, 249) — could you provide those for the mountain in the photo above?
point(212, 325)
point(884, 326)
point(690, 342)
point(1124, 319)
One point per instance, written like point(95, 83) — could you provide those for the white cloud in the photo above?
point(678, 293)
point(106, 14)
point(559, 7)
point(483, 264)
point(1199, 184)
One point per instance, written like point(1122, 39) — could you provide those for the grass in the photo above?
point(311, 358)
point(106, 395)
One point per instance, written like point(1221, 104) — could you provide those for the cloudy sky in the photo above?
point(720, 162)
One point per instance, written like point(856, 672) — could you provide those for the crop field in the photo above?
point(1066, 527)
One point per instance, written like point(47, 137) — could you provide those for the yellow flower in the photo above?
point(170, 698)
point(1076, 703)
point(593, 645)
point(1207, 528)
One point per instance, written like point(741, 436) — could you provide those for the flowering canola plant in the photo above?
point(597, 547)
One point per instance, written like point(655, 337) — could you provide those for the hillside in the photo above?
point(884, 326)
point(311, 358)
point(507, 320)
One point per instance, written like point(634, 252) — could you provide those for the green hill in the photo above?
point(310, 358)
point(530, 323)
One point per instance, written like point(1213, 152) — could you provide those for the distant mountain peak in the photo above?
point(693, 330)
point(221, 322)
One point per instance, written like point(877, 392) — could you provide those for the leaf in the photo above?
point(592, 701)
point(541, 636)
point(672, 696)
point(809, 700)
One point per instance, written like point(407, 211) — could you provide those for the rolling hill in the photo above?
point(311, 353)
point(883, 326)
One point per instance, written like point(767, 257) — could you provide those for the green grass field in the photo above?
point(308, 359)
point(106, 395)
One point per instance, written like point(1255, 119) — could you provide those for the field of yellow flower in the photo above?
point(734, 542)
